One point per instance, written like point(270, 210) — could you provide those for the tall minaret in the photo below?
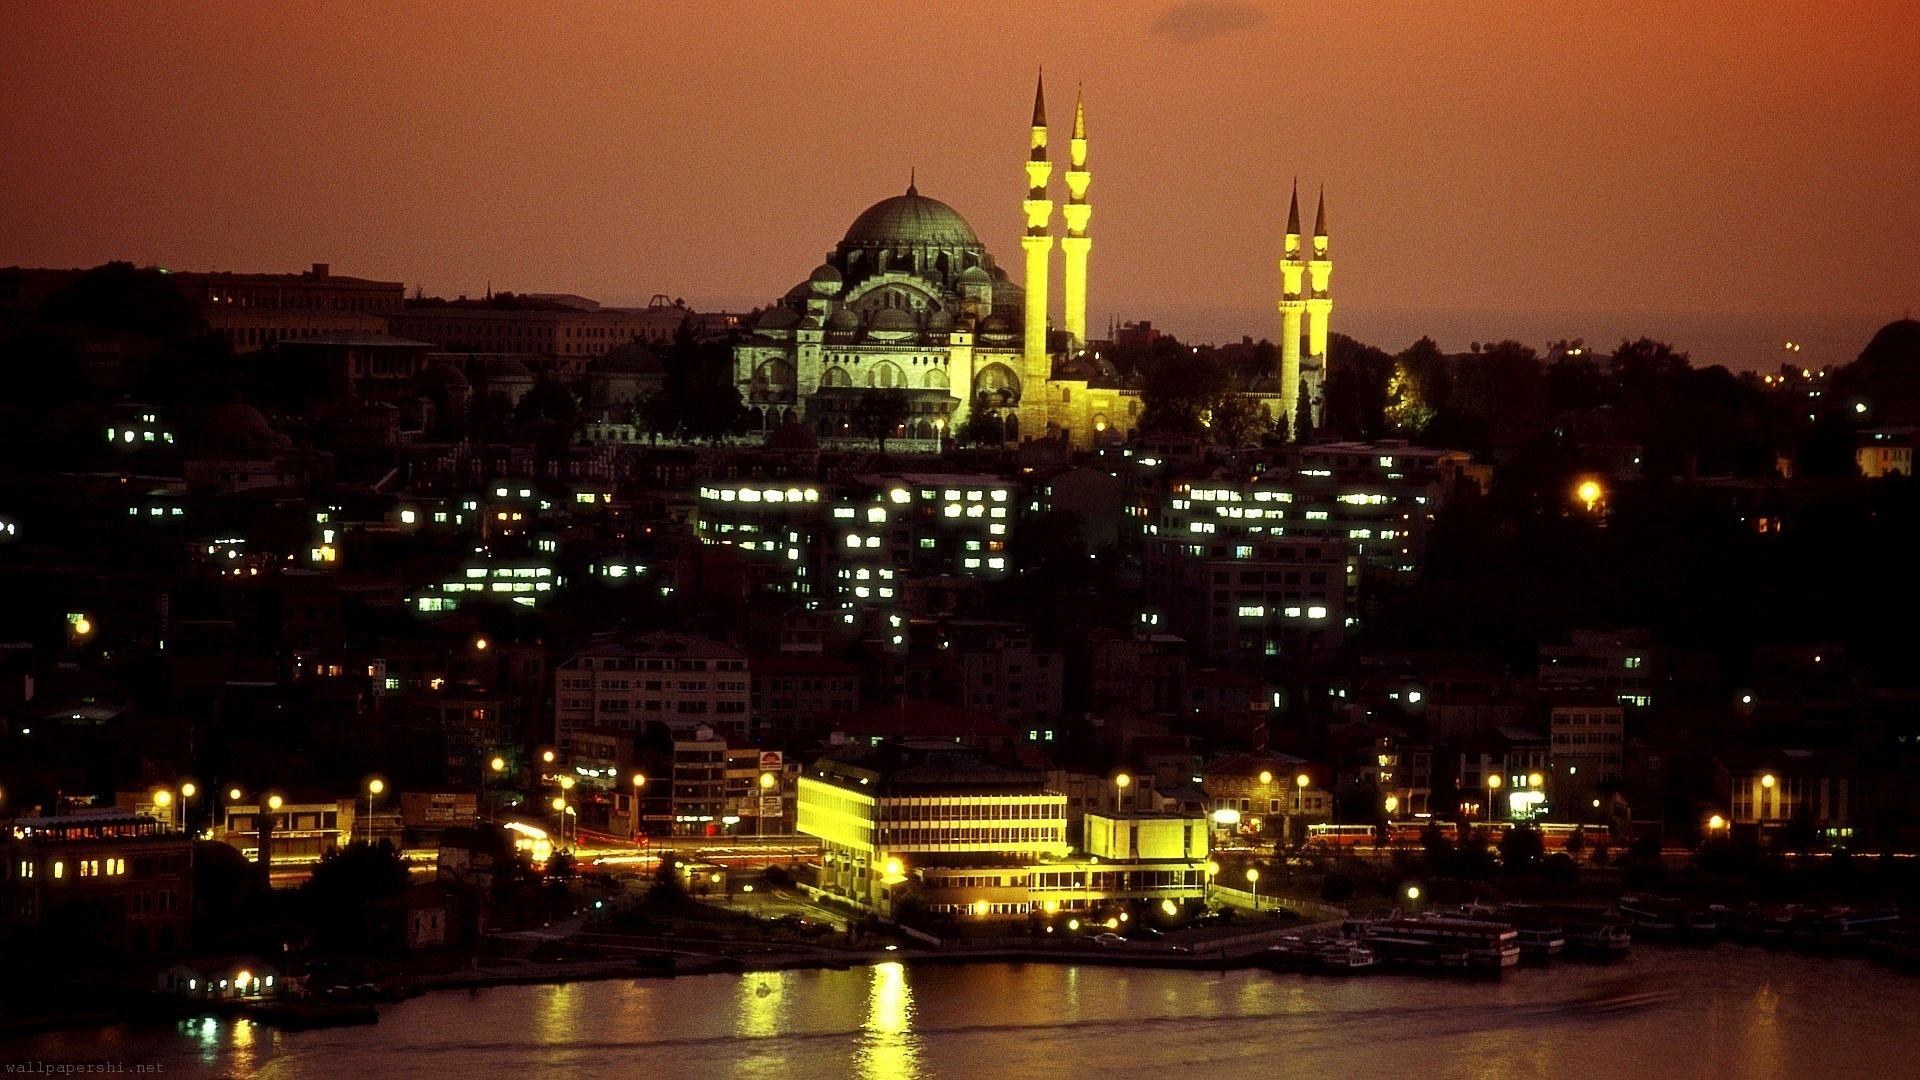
point(1036, 367)
point(1075, 244)
point(1293, 271)
point(1319, 307)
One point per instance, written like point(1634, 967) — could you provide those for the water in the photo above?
point(1729, 1011)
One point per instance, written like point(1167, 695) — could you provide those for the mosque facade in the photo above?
point(910, 301)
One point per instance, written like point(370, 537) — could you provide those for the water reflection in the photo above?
point(888, 1047)
point(555, 1022)
point(763, 1001)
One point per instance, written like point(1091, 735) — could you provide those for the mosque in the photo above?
point(911, 300)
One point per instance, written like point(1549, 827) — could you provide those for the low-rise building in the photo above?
point(97, 886)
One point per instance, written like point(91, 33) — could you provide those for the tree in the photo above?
point(880, 414)
point(1521, 849)
point(1238, 420)
point(981, 428)
point(1178, 391)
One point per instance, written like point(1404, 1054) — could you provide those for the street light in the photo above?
point(566, 785)
point(1120, 783)
point(1392, 804)
point(1253, 881)
point(766, 785)
point(164, 800)
point(188, 789)
point(633, 814)
point(1493, 786)
point(374, 787)
point(1206, 896)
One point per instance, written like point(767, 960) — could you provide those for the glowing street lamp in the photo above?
point(188, 789)
point(163, 799)
point(1120, 783)
point(1589, 493)
point(1213, 870)
point(639, 782)
point(374, 787)
point(1253, 883)
point(1493, 789)
point(1392, 804)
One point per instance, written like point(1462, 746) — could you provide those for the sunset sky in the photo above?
point(1721, 174)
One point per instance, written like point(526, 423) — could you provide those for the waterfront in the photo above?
point(1723, 1011)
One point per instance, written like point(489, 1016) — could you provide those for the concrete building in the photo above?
point(95, 886)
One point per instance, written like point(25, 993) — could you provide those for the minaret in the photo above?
point(1293, 270)
point(1075, 244)
point(1319, 307)
point(1036, 367)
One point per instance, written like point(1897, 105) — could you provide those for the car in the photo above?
point(1108, 939)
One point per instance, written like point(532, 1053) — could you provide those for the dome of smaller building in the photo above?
point(892, 324)
point(825, 280)
point(444, 376)
point(940, 322)
point(505, 367)
point(844, 320)
point(777, 317)
point(236, 427)
point(996, 328)
point(974, 275)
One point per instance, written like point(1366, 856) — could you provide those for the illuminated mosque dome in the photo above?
point(910, 220)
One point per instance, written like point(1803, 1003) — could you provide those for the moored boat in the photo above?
point(1440, 941)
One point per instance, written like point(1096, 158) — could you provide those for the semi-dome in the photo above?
point(910, 220)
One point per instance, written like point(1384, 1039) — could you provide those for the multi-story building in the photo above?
point(1588, 732)
point(563, 338)
point(680, 680)
point(1619, 663)
point(97, 885)
point(792, 691)
point(699, 783)
point(1252, 602)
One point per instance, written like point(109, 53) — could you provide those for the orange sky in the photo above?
point(1491, 169)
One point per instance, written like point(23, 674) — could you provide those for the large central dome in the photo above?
point(911, 220)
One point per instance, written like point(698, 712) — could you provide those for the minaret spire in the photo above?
point(1036, 365)
point(1075, 245)
point(1319, 310)
point(913, 177)
point(1293, 305)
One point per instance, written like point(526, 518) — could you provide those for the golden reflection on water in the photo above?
point(762, 1012)
point(554, 1020)
point(888, 1047)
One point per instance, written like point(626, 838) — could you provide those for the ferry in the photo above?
point(1585, 929)
point(1541, 942)
point(1440, 941)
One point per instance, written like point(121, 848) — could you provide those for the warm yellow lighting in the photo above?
point(1121, 781)
point(1413, 892)
point(1766, 781)
point(559, 803)
point(233, 794)
point(1493, 783)
point(498, 764)
point(1533, 779)
point(715, 879)
point(1266, 777)
point(639, 781)
point(273, 802)
point(566, 783)
point(376, 785)
point(1716, 822)
point(546, 756)
point(480, 644)
point(1253, 873)
point(1212, 868)
point(188, 790)
point(163, 797)
point(980, 907)
point(766, 781)
point(1169, 908)
point(1303, 780)
point(1589, 492)
point(893, 868)
point(1393, 803)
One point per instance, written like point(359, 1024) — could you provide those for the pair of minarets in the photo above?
point(1303, 293)
point(1038, 242)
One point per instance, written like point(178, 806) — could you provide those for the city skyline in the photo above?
point(1488, 173)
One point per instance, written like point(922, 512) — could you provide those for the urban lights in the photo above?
point(374, 787)
point(1493, 789)
point(1120, 784)
point(1253, 883)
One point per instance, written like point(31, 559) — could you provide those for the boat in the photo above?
point(1706, 923)
point(1345, 957)
point(1442, 941)
point(1846, 928)
point(1650, 915)
point(1541, 942)
point(1585, 929)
